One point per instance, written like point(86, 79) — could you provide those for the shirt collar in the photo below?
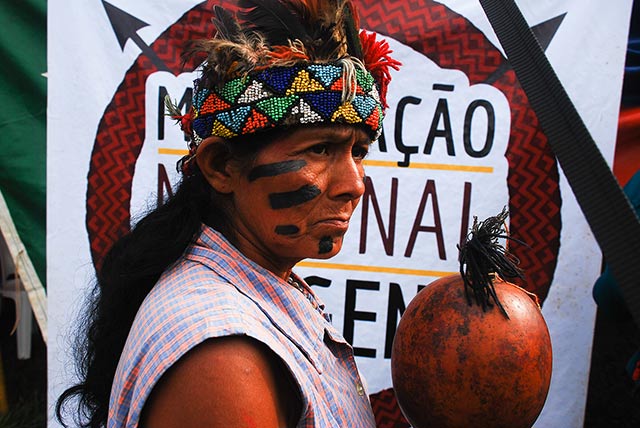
point(287, 307)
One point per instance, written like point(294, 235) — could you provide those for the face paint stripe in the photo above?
point(287, 229)
point(276, 168)
point(283, 200)
point(325, 245)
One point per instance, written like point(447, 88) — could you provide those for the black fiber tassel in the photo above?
point(482, 258)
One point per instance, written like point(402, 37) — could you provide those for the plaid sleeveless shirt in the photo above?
point(214, 291)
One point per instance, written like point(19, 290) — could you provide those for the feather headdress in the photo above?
point(268, 33)
point(284, 62)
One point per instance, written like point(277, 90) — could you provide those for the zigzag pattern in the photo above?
point(452, 42)
point(386, 410)
point(118, 144)
point(120, 134)
point(535, 214)
point(534, 193)
point(533, 175)
point(445, 37)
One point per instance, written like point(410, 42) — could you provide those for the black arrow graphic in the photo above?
point(544, 32)
point(126, 27)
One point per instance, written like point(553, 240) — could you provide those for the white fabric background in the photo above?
point(86, 65)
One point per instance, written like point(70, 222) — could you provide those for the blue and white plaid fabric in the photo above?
point(215, 291)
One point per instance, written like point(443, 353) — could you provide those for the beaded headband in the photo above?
point(282, 96)
point(292, 63)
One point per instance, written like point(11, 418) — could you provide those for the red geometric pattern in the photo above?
point(451, 41)
point(386, 410)
point(534, 195)
point(121, 132)
point(534, 192)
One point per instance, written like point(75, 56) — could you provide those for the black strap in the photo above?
point(609, 213)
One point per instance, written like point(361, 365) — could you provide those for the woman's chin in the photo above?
point(325, 256)
point(320, 248)
point(328, 247)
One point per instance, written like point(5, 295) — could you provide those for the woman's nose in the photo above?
point(347, 178)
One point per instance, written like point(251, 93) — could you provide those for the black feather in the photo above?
point(226, 24)
point(351, 30)
point(274, 20)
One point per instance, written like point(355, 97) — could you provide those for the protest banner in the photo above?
point(460, 140)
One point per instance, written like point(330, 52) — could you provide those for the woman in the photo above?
point(198, 319)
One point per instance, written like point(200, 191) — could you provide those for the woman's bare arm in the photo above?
point(226, 382)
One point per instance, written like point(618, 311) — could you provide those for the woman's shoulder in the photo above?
point(191, 294)
point(175, 318)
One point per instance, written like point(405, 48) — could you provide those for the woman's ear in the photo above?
point(213, 158)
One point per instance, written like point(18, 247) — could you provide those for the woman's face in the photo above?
point(296, 198)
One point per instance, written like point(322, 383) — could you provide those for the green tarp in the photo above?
point(23, 103)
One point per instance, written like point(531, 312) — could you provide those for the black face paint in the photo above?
point(287, 229)
point(325, 245)
point(304, 194)
point(276, 168)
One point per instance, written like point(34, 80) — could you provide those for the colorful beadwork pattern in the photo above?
point(283, 96)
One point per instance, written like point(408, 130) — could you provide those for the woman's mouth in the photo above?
point(338, 223)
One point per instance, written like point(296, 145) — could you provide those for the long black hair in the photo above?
point(129, 271)
point(135, 262)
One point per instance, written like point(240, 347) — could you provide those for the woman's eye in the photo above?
point(319, 149)
point(360, 152)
